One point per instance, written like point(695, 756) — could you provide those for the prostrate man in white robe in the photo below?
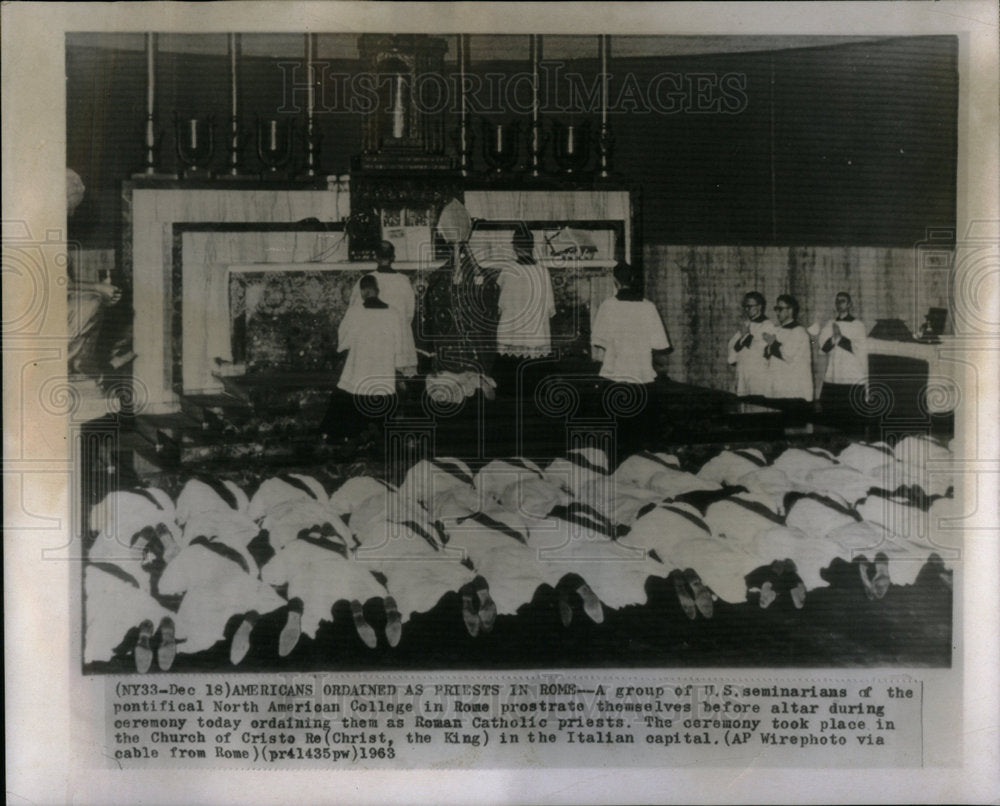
point(396, 291)
point(844, 342)
point(746, 347)
point(789, 358)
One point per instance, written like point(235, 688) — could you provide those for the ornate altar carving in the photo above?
point(388, 204)
point(403, 178)
point(403, 131)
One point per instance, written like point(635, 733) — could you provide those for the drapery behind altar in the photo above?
point(697, 290)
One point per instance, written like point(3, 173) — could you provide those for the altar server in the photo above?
point(396, 291)
point(789, 359)
point(746, 347)
point(372, 335)
point(844, 342)
point(525, 306)
point(634, 345)
point(629, 330)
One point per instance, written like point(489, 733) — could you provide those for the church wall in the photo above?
point(849, 144)
point(698, 290)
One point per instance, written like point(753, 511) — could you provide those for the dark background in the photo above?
point(850, 144)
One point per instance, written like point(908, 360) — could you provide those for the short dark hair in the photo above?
point(523, 239)
point(843, 294)
point(385, 251)
point(791, 302)
point(368, 283)
point(755, 296)
point(625, 275)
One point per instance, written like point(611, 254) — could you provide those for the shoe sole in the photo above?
point(143, 653)
point(167, 651)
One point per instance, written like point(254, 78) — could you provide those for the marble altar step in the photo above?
point(279, 426)
point(273, 391)
point(167, 442)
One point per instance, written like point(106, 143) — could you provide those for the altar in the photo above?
point(254, 280)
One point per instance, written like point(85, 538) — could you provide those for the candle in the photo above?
point(274, 135)
point(499, 138)
point(603, 42)
point(463, 54)
point(194, 133)
point(397, 112)
point(150, 72)
point(310, 92)
point(232, 74)
point(463, 120)
point(569, 139)
point(535, 56)
point(535, 46)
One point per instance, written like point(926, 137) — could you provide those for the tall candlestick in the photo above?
point(535, 48)
point(234, 107)
point(397, 111)
point(150, 73)
point(464, 144)
point(603, 45)
point(311, 90)
point(534, 43)
point(193, 125)
point(274, 135)
point(605, 140)
point(233, 73)
point(151, 135)
point(463, 55)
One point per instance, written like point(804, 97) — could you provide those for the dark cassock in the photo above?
point(459, 324)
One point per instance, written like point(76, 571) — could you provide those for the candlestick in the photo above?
point(397, 111)
point(603, 45)
point(151, 139)
point(150, 73)
point(605, 140)
point(535, 48)
point(464, 135)
point(463, 55)
point(236, 135)
point(311, 90)
point(233, 99)
point(534, 44)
